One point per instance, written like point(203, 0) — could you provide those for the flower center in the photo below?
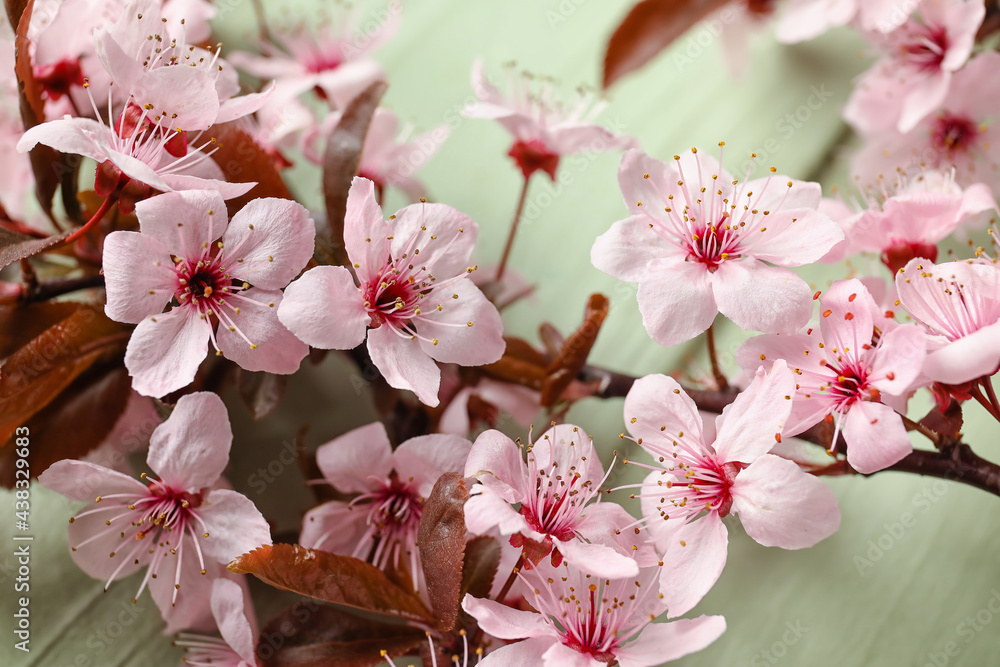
point(202, 284)
point(926, 49)
point(713, 245)
point(954, 134)
point(394, 511)
point(533, 155)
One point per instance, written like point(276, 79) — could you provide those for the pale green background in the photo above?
point(909, 603)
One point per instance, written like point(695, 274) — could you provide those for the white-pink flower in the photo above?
point(802, 20)
point(960, 133)
point(959, 305)
point(235, 620)
point(179, 526)
point(697, 242)
point(857, 359)
point(694, 483)
point(380, 523)
point(389, 157)
point(191, 276)
point(583, 620)
point(912, 80)
point(544, 128)
point(557, 490)
point(415, 302)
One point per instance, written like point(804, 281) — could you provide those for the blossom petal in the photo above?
point(325, 309)
point(875, 436)
point(277, 349)
point(658, 401)
point(444, 237)
point(505, 622)
point(182, 221)
point(560, 655)
point(181, 182)
point(659, 643)
point(757, 297)
point(426, 457)
point(349, 460)
point(697, 554)
point(486, 509)
point(675, 300)
point(80, 480)
point(191, 449)
point(76, 136)
point(597, 559)
point(900, 358)
point(404, 365)
point(495, 460)
point(165, 351)
point(967, 358)
point(334, 526)
point(138, 276)
point(794, 237)
point(229, 609)
point(366, 232)
point(752, 424)
point(234, 524)
point(465, 324)
point(270, 241)
point(627, 247)
point(780, 505)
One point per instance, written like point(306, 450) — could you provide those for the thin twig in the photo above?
point(513, 228)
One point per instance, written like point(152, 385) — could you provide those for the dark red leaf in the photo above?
point(949, 422)
point(15, 8)
point(340, 166)
point(340, 580)
point(441, 540)
point(261, 392)
point(309, 634)
point(38, 372)
point(520, 364)
point(648, 28)
point(15, 247)
point(575, 350)
point(482, 559)
point(20, 324)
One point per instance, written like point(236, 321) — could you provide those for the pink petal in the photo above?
point(659, 643)
point(235, 525)
point(780, 505)
point(137, 169)
point(495, 460)
point(181, 220)
point(468, 328)
point(656, 401)
point(135, 265)
point(165, 351)
point(187, 182)
point(560, 655)
point(899, 359)
point(426, 457)
point(568, 447)
point(649, 181)
point(193, 608)
point(188, 92)
point(191, 449)
point(95, 558)
point(79, 480)
point(334, 526)
point(244, 105)
point(751, 425)
point(487, 510)
point(675, 299)
point(404, 365)
point(325, 309)
point(875, 435)
point(597, 559)
point(575, 138)
point(76, 136)
point(349, 460)
point(278, 350)
point(796, 236)
point(270, 240)
point(344, 83)
point(695, 565)
point(504, 622)
point(519, 654)
point(366, 232)
point(624, 250)
point(447, 254)
point(757, 297)
point(849, 314)
point(229, 609)
point(967, 358)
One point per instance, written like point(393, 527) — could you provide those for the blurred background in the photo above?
point(875, 593)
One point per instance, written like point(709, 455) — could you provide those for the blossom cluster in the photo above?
point(577, 565)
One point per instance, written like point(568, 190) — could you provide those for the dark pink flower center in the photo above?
point(394, 510)
point(927, 48)
point(57, 79)
point(533, 155)
point(713, 245)
point(954, 134)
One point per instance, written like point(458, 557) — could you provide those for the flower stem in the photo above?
point(921, 429)
point(991, 395)
point(513, 228)
point(713, 357)
point(53, 288)
point(105, 207)
point(510, 580)
point(265, 33)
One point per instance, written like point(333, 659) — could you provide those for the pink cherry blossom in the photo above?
point(585, 620)
point(911, 218)
point(802, 20)
point(544, 128)
point(389, 156)
point(694, 483)
point(959, 305)
point(519, 402)
point(413, 310)
point(558, 490)
point(217, 272)
point(960, 133)
point(179, 526)
point(333, 58)
point(234, 617)
point(697, 243)
point(380, 523)
point(856, 362)
point(912, 80)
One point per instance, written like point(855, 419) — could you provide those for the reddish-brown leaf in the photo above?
point(261, 392)
point(74, 424)
point(340, 165)
point(441, 540)
point(648, 28)
point(575, 350)
point(520, 364)
point(15, 8)
point(243, 160)
point(947, 423)
point(15, 247)
point(20, 324)
point(38, 372)
point(314, 635)
point(482, 559)
point(340, 580)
